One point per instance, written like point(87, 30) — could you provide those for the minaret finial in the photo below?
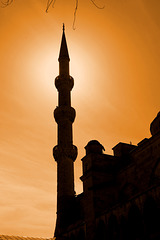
point(63, 27)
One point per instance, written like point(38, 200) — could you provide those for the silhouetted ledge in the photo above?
point(6, 237)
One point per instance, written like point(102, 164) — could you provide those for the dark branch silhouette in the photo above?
point(6, 3)
point(97, 5)
point(75, 13)
point(49, 3)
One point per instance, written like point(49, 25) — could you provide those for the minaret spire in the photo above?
point(63, 49)
point(63, 56)
point(65, 152)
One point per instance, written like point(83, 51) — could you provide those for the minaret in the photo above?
point(65, 152)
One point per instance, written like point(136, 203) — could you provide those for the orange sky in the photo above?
point(115, 55)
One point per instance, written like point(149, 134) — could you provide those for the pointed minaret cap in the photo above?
point(63, 50)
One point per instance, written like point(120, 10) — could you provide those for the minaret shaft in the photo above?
point(64, 67)
point(64, 98)
point(65, 134)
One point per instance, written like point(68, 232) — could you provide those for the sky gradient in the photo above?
point(114, 60)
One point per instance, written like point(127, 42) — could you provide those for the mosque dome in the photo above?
point(155, 125)
point(94, 146)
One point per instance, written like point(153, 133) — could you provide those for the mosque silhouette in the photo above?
point(121, 193)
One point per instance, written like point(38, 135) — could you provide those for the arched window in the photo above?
point(101, 231)
point(135, 223)
point(113, 228)
point(81, 235)
point(151, 214)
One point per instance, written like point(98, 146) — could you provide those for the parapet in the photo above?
point(123, 149)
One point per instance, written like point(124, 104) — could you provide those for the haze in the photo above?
point(115, 55)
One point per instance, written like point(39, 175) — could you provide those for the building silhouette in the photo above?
point(121, 193)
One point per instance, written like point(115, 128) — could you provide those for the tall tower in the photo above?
point(65, 152)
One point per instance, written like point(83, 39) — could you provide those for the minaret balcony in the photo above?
point(63, 113)
point(64, 82)
point(59, 153)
